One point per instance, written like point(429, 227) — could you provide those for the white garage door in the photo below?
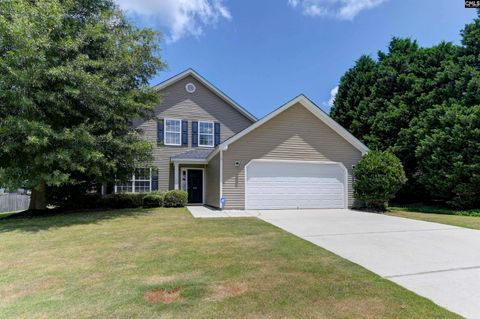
point(292, 185)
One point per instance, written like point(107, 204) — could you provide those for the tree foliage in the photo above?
point(449, 153)
point(73, 74)
point(356, 84)
point(381, 101)
point(378, 177)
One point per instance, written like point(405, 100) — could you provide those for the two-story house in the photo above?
point(211, 147)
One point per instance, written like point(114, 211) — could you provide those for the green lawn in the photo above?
point(106, 264)
point(468, 219)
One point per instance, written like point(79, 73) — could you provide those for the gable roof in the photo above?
point(309, 105)
point(210, 86)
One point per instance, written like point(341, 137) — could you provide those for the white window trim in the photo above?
point(134, 179)
point(165, 132)
point(149, 180)
point(213, 134)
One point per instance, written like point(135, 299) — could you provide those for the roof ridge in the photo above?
point(210, 86)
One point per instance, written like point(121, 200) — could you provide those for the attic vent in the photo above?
point(190, 87)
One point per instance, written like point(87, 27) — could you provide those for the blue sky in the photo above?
point(264, 53)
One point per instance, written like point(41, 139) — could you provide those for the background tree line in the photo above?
point(423, 104)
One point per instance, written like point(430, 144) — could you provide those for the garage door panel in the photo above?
point(277, 185)
point(261, 193)
point(286, 183)
point(298, 187)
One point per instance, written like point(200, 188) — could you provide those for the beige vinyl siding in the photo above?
point(177, 103)
point(294, 134)
point(212, 174)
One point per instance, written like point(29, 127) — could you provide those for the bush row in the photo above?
point(173, 198)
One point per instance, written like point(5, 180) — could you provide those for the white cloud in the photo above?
point(181, 17)
point(333, 95)
point(340, 9)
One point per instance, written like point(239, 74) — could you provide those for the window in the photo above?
point(142, 180)
point(139, 182)
point(205, 134)
point(184, 180)
point(173, 132)
point(125, 187)
point(190, 88)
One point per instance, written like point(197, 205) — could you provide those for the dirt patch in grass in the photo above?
point(162, 295)
point(228, 289)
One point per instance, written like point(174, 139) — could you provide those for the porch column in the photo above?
point(176, 174)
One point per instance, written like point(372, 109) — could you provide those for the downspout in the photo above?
point(221, 199)
point(221, 181)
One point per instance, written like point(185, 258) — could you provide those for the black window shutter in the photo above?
point(154, 180)
point(185, 133)
point(160, 132)
point(217, 133)
point(194, 133)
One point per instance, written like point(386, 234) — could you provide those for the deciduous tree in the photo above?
point(73, 74)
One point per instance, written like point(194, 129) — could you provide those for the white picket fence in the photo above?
point(10, 202)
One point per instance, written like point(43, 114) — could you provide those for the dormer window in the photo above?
point(173, 132)
point(205, 134)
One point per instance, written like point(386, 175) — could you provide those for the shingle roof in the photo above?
point(193, 154)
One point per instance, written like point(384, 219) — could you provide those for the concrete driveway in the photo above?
point(439, 262)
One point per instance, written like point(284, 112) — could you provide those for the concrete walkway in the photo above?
point(439, 262)
point(207, 212)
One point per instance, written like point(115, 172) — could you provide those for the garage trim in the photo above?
point(299, 162)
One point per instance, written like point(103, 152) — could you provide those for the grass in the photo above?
point(461, 218)
point(432, 209)
point(104, 265)
point(3, 215)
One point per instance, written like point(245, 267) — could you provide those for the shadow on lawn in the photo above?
point(29, 221)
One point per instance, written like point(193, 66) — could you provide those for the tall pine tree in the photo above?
point(405, 84)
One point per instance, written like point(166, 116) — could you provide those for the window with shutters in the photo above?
point(138, 182)
point(173, 132)
point(205, 134)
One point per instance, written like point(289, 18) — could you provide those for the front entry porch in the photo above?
point(189, 174)
point(193, 183)
point(191, 178)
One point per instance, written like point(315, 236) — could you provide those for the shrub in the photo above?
point(153, 200)
point(175, 198)
point(378, 176)
point(123, 200)
point(91, 201)
point(156, 193)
